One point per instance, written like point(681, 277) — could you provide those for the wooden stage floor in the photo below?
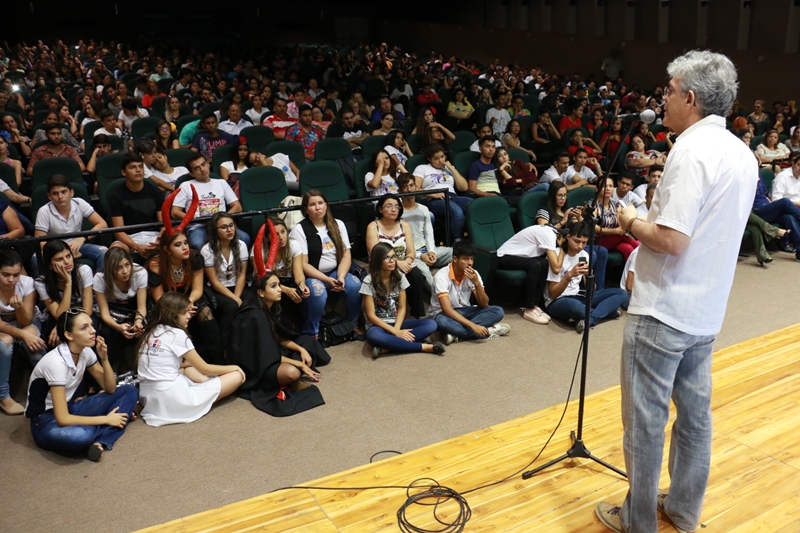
point(754, 485)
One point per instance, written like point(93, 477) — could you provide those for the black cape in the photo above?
point(252, 346)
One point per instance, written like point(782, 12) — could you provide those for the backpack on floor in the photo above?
point(335, 329)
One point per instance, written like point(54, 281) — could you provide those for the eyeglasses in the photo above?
point(390, 259)
point(561, 195)
point(391, 207)
point(226, 227)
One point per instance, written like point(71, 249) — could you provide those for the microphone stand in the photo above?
point(578, 448)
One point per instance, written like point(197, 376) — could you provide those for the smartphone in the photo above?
point(581, 260)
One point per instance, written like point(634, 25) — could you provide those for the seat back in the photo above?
point(261, 188)
point(292, 149)
point(159, 106)
point(90, 128)
point(462, 161)
point(581, 195)
point(332, 149)
point(109, 170)
point(222, 154)
point(463, 141)
point(44, 169)
point(360, 174)
point(177, 157)
point(415, 161)
point(186, 119)
point(414, 142)
point(325, 176)
point(371, 144)
point(659, 146)
point(767, 175)
point(142, 126)
point(489, 222)
point(9, 176)
point(258, 137)
point(529, 205)
point(517, 153)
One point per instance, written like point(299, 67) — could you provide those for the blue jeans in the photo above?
point(96, 253)
point(198, 236)
point(48, 435)
point(540, 187)
point(7, 355)
point(599, 261)
point(422, 328)
point(604, 304)
point(458, 207)
point(314, 306)
point(483, 316)
point(787, 214)
point(659, 362)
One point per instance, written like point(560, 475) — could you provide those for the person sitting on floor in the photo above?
point(384, 291)
point(62, 418)
point(177, 385)
point(450, 306)
point(565, 294)
point(274, 358)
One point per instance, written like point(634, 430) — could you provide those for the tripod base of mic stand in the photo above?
point(578, 450)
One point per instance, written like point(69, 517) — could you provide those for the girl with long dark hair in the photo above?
point(177, 385)
point(384, 291)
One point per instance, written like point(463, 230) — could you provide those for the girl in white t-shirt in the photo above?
point(63, 285)
point(397, 148)
point(384, 291)
point(324, 248)
point(177, 385)
point(281, 161)
point(19, 321)
point(121, 292)
point(63, 421)
point(231, 170)
point(383, 170)
point(225, 262)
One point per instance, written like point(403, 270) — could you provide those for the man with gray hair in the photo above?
point(684, 272)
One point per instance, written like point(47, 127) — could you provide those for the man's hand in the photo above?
point(471, 274)
point(480, 330)
point(625, 215)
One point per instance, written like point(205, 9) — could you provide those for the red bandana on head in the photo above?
point(166, 212)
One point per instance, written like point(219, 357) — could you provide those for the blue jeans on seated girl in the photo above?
point(604, 304)
point(539, 187)
point(7, 354)
point(458, 206)
point(487, 316)
point(421, 328)
point(48, 435)
point(314, 305)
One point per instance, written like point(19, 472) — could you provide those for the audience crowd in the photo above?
point(96, 136)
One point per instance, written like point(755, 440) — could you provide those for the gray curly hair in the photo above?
point(711, 77)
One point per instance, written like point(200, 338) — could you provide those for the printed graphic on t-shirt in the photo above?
point(208, 205)
point(386, 308)
point(327, 244)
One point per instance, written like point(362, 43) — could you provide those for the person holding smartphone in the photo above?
point(565, 294)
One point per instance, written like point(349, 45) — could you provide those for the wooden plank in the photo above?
point(753, 486)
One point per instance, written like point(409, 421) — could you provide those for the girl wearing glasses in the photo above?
point(391, 229)
point(177, 385)
point(62, 418)
point(225, 260)
point(63, 285)
point(384, 291)
point(164, 137)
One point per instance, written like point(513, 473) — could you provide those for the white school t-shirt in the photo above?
point(51, 222)
point(214, 196)
point(327, 261)
point(629, 198)
point(533, 241)
point(281, 161)
point(387, 186)
point(401, 157)
point(139, 282)
point(434, 178)
point(57, 369)
point(551, 174)
point(568, 264)
point(160, 357)
point(170, 178)
point(689, 292)
point(585, 173)
point(459, 292)
point(84, 280)
point(226, 273)
point(630, 267)
point(22, 289)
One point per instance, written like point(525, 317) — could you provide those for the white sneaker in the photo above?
point(499, 330)
point(448, 339)
point(535, 316)
point(541, 312)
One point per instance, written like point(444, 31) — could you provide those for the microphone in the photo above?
point(648, 116)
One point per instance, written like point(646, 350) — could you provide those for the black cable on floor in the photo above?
point(441, 494)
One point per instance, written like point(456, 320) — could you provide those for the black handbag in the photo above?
point(334, 329)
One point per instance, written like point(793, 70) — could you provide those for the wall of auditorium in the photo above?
point(568, 36)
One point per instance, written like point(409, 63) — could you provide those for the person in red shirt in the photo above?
point(573, 120)
point(280, 120)
point(428, 97)
point(577, 140)
point(612, 138)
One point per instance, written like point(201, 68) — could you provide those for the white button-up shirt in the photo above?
point(786, 185)
point(706, 193)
